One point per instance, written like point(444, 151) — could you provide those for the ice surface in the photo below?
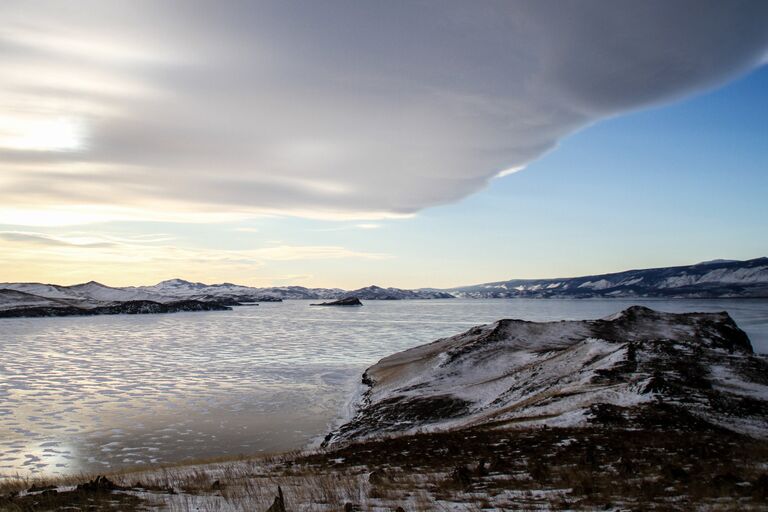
point(97, 393)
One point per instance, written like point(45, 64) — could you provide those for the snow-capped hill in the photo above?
point(90, 294)
point(52, 291)
point(181, 289)
point(514, 373)
point(715, 262)
point(717, 278)
point(175, 284)
point(13, 299)
point(374, 292)
point(91, 298)
point(300, 292)
point(14, 303)
point(98, 292)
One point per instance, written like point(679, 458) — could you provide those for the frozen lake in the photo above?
point(100, 393)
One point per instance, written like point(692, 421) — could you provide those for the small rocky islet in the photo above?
point(346, 301)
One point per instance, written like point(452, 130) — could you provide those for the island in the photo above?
point(346, 301)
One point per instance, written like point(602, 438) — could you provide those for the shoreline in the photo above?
point(556, 468)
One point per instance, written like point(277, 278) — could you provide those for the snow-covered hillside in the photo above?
point(182, 288)
point(51, 299)
point(14, 299)
point(717, 278)
point(87, 294)
point(374, 292)
point(514, 373)
point(185, 289)
point(92, 298)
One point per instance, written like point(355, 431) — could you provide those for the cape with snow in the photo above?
point(636, 366)
point(92, 298)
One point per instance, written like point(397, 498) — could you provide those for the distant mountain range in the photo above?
point(200, 291)
point(712, 279)
point(92, 298)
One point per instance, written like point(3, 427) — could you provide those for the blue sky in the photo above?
point(276, 143)
point(671, 185)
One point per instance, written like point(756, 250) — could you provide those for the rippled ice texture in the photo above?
point(98, 393)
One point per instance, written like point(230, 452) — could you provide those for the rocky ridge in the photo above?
point(710, 279)
point(626, 369)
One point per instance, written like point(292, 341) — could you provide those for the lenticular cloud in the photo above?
point(347, 109)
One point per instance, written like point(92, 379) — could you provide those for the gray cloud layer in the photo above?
point(338, 107)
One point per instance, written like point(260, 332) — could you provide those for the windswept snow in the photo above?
point(514, 373)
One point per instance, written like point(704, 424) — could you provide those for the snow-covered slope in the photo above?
point(187, 289)
point(717, 278)
point(93, 294)
point(87, 294)
point(13, 299)
point(374, 292)
point(514, 373)
point(101, 293)
point(92, 298)
point(202, 291)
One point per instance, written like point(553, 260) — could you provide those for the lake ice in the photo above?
point(100, 393)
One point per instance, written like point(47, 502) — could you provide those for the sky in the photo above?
point(409, 144)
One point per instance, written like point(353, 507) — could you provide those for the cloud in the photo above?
point(312, 252)
point(50, 241)
point(338, 110)
point(348, 227)
point(132, 249)
point(289, 279)
point(77, 257)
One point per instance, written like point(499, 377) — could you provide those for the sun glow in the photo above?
point(41, 133)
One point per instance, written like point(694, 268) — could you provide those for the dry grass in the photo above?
point(473, 470)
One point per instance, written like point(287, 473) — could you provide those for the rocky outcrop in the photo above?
point(636, 366)
point(347, 301)
point(235, 300)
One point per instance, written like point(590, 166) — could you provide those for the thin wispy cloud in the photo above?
point(51, 241)
point(142, 261)
point(349, 227)
point(185, 111)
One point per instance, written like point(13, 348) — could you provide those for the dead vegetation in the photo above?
point(480, 469)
